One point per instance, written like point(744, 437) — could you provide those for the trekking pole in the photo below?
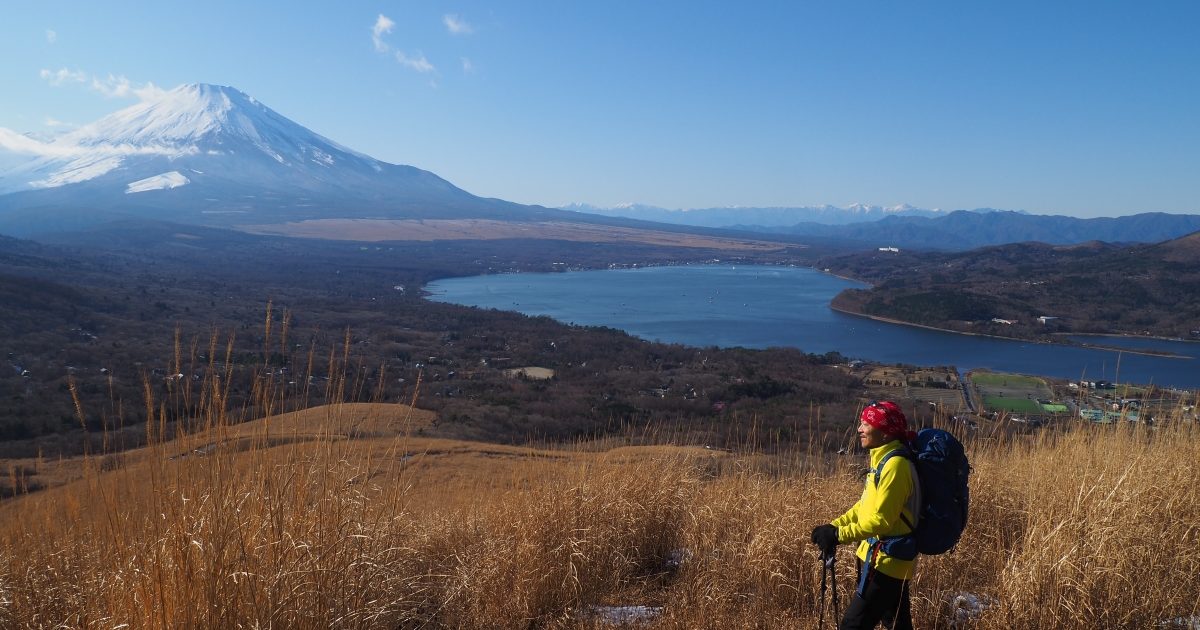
point(828, 574)
point(833, 578)
point(824, 586)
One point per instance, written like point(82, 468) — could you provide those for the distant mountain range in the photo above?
point(915, 228)
point(963, 230)
point(212, 155)
point(754, 218)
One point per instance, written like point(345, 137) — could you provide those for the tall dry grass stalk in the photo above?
point(328, 525)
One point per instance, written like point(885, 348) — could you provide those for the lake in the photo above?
point(764, 306)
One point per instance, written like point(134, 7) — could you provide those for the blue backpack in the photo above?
point(942, 469)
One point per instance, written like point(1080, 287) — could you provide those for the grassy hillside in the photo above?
point(340, 517)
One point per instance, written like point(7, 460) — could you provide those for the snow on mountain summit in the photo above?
point(193, 120)
point(212, 155)
point(199, 117)
point(184, 114)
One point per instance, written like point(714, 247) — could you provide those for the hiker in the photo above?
point(887, 510)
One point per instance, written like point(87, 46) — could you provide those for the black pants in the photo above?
point(884, 599)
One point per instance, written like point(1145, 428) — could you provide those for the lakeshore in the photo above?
point(1146, 352)
point(780, 306)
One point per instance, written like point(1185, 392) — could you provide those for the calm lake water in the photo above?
point(759, 307)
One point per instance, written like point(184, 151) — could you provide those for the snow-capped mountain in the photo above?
point(212, 155)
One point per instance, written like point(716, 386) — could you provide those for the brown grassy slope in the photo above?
point(375, 230)
point(1185, 249)
point(1091, 528)
point(372, 431)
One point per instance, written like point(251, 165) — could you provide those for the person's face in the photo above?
point(870, 437)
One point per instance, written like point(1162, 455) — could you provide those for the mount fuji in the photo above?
point(212, 155)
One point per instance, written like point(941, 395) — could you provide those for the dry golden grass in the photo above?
point(376, 230)
point(334, 518)
point(359, 421)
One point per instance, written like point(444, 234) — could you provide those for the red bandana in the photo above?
point(886, 416)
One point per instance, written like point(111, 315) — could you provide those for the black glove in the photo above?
point(825, 538)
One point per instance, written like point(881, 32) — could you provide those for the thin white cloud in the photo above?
point(457, 25)
point(418, 62)
point(383, 26)
point(65, 147)
point(24, 145)
point(122, 87)
point(54, 122)
point(62, 75)
point(51, 36)
point(112, 86)
point(467, 66)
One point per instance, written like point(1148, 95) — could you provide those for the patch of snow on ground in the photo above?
point(623, 615)
point(968, 607)
point(677, 557)
point(1182, 623)
point(165, 181)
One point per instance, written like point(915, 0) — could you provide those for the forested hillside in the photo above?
point(165, 306)
point(1090, 288)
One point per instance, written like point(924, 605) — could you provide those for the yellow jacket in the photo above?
point(878, 511)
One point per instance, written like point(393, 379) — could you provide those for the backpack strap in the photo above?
point(904, 452)
point(868, 566)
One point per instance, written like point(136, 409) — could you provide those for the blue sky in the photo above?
point(1079, 108)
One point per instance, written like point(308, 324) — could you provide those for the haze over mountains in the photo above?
point(754, 216)
point(907, 226)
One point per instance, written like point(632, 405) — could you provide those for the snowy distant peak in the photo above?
point(900, 209)
point(618, 208)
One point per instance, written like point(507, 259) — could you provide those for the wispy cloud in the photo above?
point(51, 36)
point(121, 87)
point(418, 62)
point(24, 145)
point(54, 122)
point(62, 75)
point(467, 66)
point(457, 25)
point(112, 86)
point(65, 147)
point(383, 26)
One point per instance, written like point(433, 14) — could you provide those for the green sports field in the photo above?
point(1010, 393)
point(1019, 405)
point(1013, 381)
